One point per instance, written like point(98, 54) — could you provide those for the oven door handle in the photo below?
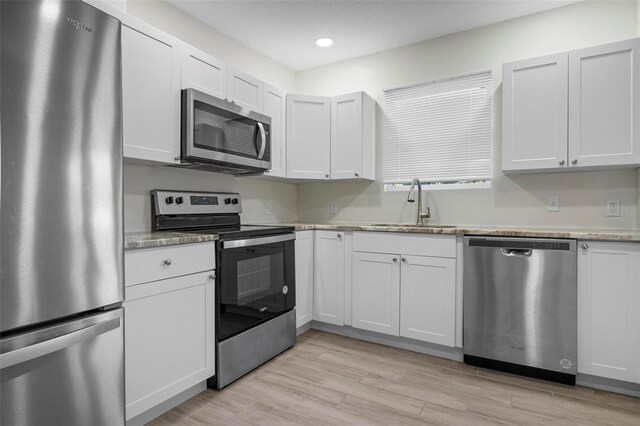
point(257, 241)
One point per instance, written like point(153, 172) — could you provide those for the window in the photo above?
point(439, 132)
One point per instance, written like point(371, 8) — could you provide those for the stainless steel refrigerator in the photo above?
point(61, 220)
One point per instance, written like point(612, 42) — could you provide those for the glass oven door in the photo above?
point(256, 282)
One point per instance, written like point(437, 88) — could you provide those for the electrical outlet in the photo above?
point(334, 207)
point(613, 208)
point(269, 207)
point(553, 203)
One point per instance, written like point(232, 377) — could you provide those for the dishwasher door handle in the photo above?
point(517, 252)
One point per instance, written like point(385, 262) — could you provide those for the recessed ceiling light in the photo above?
point(324, 42)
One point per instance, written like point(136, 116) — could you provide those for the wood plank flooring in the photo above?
point(334, 380)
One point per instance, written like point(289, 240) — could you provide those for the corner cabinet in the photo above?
point(577, 110)
point(150, 95)
point(329, 277)
point(608, 314)
point(331, 138)
point(169, 323)
point(304, 277)
point(411, 293)
point(275, 106)
point(352, 136)
point(308, 137)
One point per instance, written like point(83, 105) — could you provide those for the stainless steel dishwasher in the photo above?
point(520, 306)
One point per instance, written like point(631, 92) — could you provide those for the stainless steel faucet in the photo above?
point(411, 198)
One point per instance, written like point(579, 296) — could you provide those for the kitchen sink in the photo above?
point(407, 225)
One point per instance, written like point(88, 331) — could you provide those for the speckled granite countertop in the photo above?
point(496, 231)
point(140, 240)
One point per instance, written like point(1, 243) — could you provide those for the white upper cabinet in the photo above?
point(275, 106)
point(535, 109)
point(150, 95)
point(608, 314)
point(308, 137)
point(245, 90)
point(576, 110)
point(204, 73)
point(604, 99)
point(352, 136)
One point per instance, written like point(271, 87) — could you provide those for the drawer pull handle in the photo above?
point(168, 262)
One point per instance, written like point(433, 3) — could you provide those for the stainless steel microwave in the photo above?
point(222, 136)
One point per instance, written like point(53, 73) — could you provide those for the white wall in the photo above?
point(139, 180)
point(513, 200)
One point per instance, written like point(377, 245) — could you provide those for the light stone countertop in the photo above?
point(140, 240)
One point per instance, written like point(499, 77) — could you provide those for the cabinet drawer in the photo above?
point(414, 244)
point(154, 264)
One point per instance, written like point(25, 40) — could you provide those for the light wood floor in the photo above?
point(329, 379)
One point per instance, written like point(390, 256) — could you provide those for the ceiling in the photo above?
point(286, 30)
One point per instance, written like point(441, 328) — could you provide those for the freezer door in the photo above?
point(61, 226)
point(68, 374)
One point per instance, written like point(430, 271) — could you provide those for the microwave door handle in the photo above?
point(263, 137)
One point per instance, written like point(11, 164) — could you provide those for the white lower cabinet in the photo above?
point(304, 277)
point(329, 277)
point(608, 310)
point(409, 295)
point(428, 299)
point(376, 292)
point(169, 329)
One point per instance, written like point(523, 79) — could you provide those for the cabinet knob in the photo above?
point(404, 259)
point(574, 161)
point(584, 246)
point(395, 259)
point(561, 162)
point(176, 158)
point(339, 235)
point(212, 276)
point(327, 175)
point(167, 262)
point(357, 174)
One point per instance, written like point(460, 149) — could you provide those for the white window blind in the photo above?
point(439, 131)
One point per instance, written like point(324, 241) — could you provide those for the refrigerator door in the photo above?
point(68, 374)
point(61, 238)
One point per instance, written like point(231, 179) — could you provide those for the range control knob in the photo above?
point(179, 200)
point(169, 200)
point(227, 200)
point(234, 201)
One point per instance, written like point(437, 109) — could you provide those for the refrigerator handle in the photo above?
point(47, 346)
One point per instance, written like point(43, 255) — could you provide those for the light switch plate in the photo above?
point(613, 208)
point(553, 203)
point(334, 207)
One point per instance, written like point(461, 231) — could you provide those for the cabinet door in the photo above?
point(328, 291)
point(245, 90)
point(376, 292)
point(275, 107)
point(168, 339)
point(427, 299)
point(204, 73)
point(604, 105)
point(308, 137)
point(608, 314)
point(304, 277)
point(534, 120)
point(346, 136)
point(150, 97)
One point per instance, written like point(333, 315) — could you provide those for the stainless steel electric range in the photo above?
point(255, 278)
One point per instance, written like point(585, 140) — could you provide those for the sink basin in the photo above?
point(410, 225)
